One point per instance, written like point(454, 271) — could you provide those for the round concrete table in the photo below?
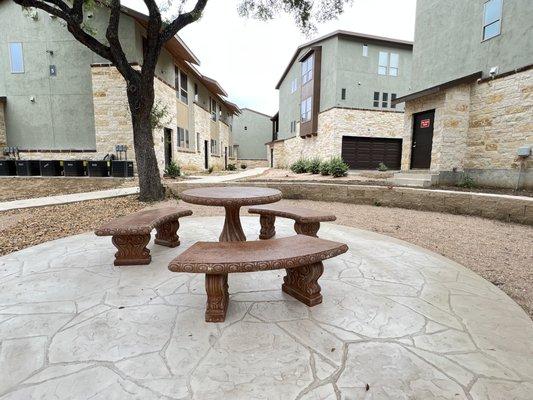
point(232, 199)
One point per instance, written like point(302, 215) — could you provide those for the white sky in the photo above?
point(247, 57)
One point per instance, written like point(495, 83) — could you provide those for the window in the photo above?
point(293, 126)
point(16, 58)
point(307, 69)
point(365, 50)
point(305, 109)
point(214, 146)
point(183, 88)
point(196, 92)
point(492, 19)
point(183, 138)
point(343, 94)
point(245, 128)
point(383, 63)
point(213, 109)
point(294, 85)
point(384, 100)
point(376, 99)
point(394, 61)
point(198, 142)
point(392, 98)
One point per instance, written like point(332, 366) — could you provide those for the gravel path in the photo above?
point(500, 252)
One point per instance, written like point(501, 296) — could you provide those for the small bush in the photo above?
point(314, 166)
point(244, 166)
point(210, 169)
point(337, 167)
point(299, 167)
point(231, 167)
point(466, 181)
point(173, 170)
point(382, 167)
point(325, 168)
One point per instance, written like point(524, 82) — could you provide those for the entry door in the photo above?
point(225, 158)
point(206, 154)
point(168, 146)
point(422, 140)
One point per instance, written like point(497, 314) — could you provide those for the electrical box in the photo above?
point(524, 151)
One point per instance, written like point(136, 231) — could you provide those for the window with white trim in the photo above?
point(394, 62)
point(196, 92)
point(383, 62)
point(213, 108)
point(305, 109)
point(294, 85)
point(307, 69)
point(388, 64)
point(183, 138)
point(365, 50)
point(16, 58)
point(181, 86)
point(492, 18)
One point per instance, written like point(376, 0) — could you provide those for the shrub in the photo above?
point(382, 167)
point(325, 168)
point(299, 167)
point(314, 166)
point(231, 167)
point(173, 170)
point(243, 166)
point(337, 167)
point(466, 181)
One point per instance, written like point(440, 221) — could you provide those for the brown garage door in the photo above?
point(367, 153)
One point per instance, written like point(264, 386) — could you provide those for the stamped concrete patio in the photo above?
point(397, 322)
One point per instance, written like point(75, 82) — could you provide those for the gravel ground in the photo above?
point(26, 188)
point(500, 252)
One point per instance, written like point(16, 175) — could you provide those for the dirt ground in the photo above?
point(500, 252)
point(25, 188)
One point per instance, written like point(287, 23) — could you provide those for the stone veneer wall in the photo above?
point(478, 128)
point(3, 137)
point(333, 124)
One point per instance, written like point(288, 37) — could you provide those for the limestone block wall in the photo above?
point(3, 137)
point(333, 124)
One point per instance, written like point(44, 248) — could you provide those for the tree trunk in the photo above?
point(141, 100)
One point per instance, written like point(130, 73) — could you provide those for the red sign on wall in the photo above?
point(425, 123)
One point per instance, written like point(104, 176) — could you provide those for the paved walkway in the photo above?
point(397, 322)
point(247, 173)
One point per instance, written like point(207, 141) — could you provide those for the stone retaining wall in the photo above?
point(503, 207)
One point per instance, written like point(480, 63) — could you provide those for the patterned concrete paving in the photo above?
point(397, 322)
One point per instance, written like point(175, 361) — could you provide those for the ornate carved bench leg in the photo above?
point(268, 230)
point(216, 286)
point(166, 234)
point(302, 283)
point(132, 249)
point(309, 229)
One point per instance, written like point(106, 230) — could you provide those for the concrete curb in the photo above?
point(508, 208)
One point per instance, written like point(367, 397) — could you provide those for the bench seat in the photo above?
point(131, 233)
point(301, 256)
point(306, 221)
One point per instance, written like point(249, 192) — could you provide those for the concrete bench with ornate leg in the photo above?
point(306, 221)
point(301, 256)
point(131, 233)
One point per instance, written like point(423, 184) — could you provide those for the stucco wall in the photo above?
point(252, 140)
point(332, 126)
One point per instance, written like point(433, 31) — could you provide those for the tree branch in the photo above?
point(183, 20)
point(118, 56)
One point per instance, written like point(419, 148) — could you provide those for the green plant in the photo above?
point(231, 167)
point(173, 170)
point(210, 169)
point(382, 167)
point(314, 166)
point(337, 167)
point(324, 168)
point(159, 116)
point(300, 166)
point(466, 181)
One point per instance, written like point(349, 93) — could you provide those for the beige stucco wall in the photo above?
point(3, 138)
point(333, 124)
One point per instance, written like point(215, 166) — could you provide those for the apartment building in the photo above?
point(58, 100)
point(251, 130)
point(470, 106)
point(336, 99)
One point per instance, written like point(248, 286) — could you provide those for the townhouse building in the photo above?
point(336, 99)
point(470, 106)
point(58, 100)
point(251, 130)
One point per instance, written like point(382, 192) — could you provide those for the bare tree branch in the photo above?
point(183, 20)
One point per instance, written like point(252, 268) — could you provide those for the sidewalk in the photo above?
point(226, 178)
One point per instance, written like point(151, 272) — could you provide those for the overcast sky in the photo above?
point(247, 57)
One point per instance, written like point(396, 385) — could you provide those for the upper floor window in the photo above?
point(305, 109)
point(196, 92)
point(213, 108)
point(294, 85)
point(492, 18)
point(365, 50)
point(307, 69)
point(183, 138)
point(383, 62)
point(184, 96)
point(384, 100)
point(376, 99)
point(343, 94)
point(394, 62)
point(388, 64)
point(16, 58)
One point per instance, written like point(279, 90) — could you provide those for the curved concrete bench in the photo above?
point(306, 221)
point(300, 255)
point(131, 233)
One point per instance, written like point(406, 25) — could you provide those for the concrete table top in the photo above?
point(397, 322)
